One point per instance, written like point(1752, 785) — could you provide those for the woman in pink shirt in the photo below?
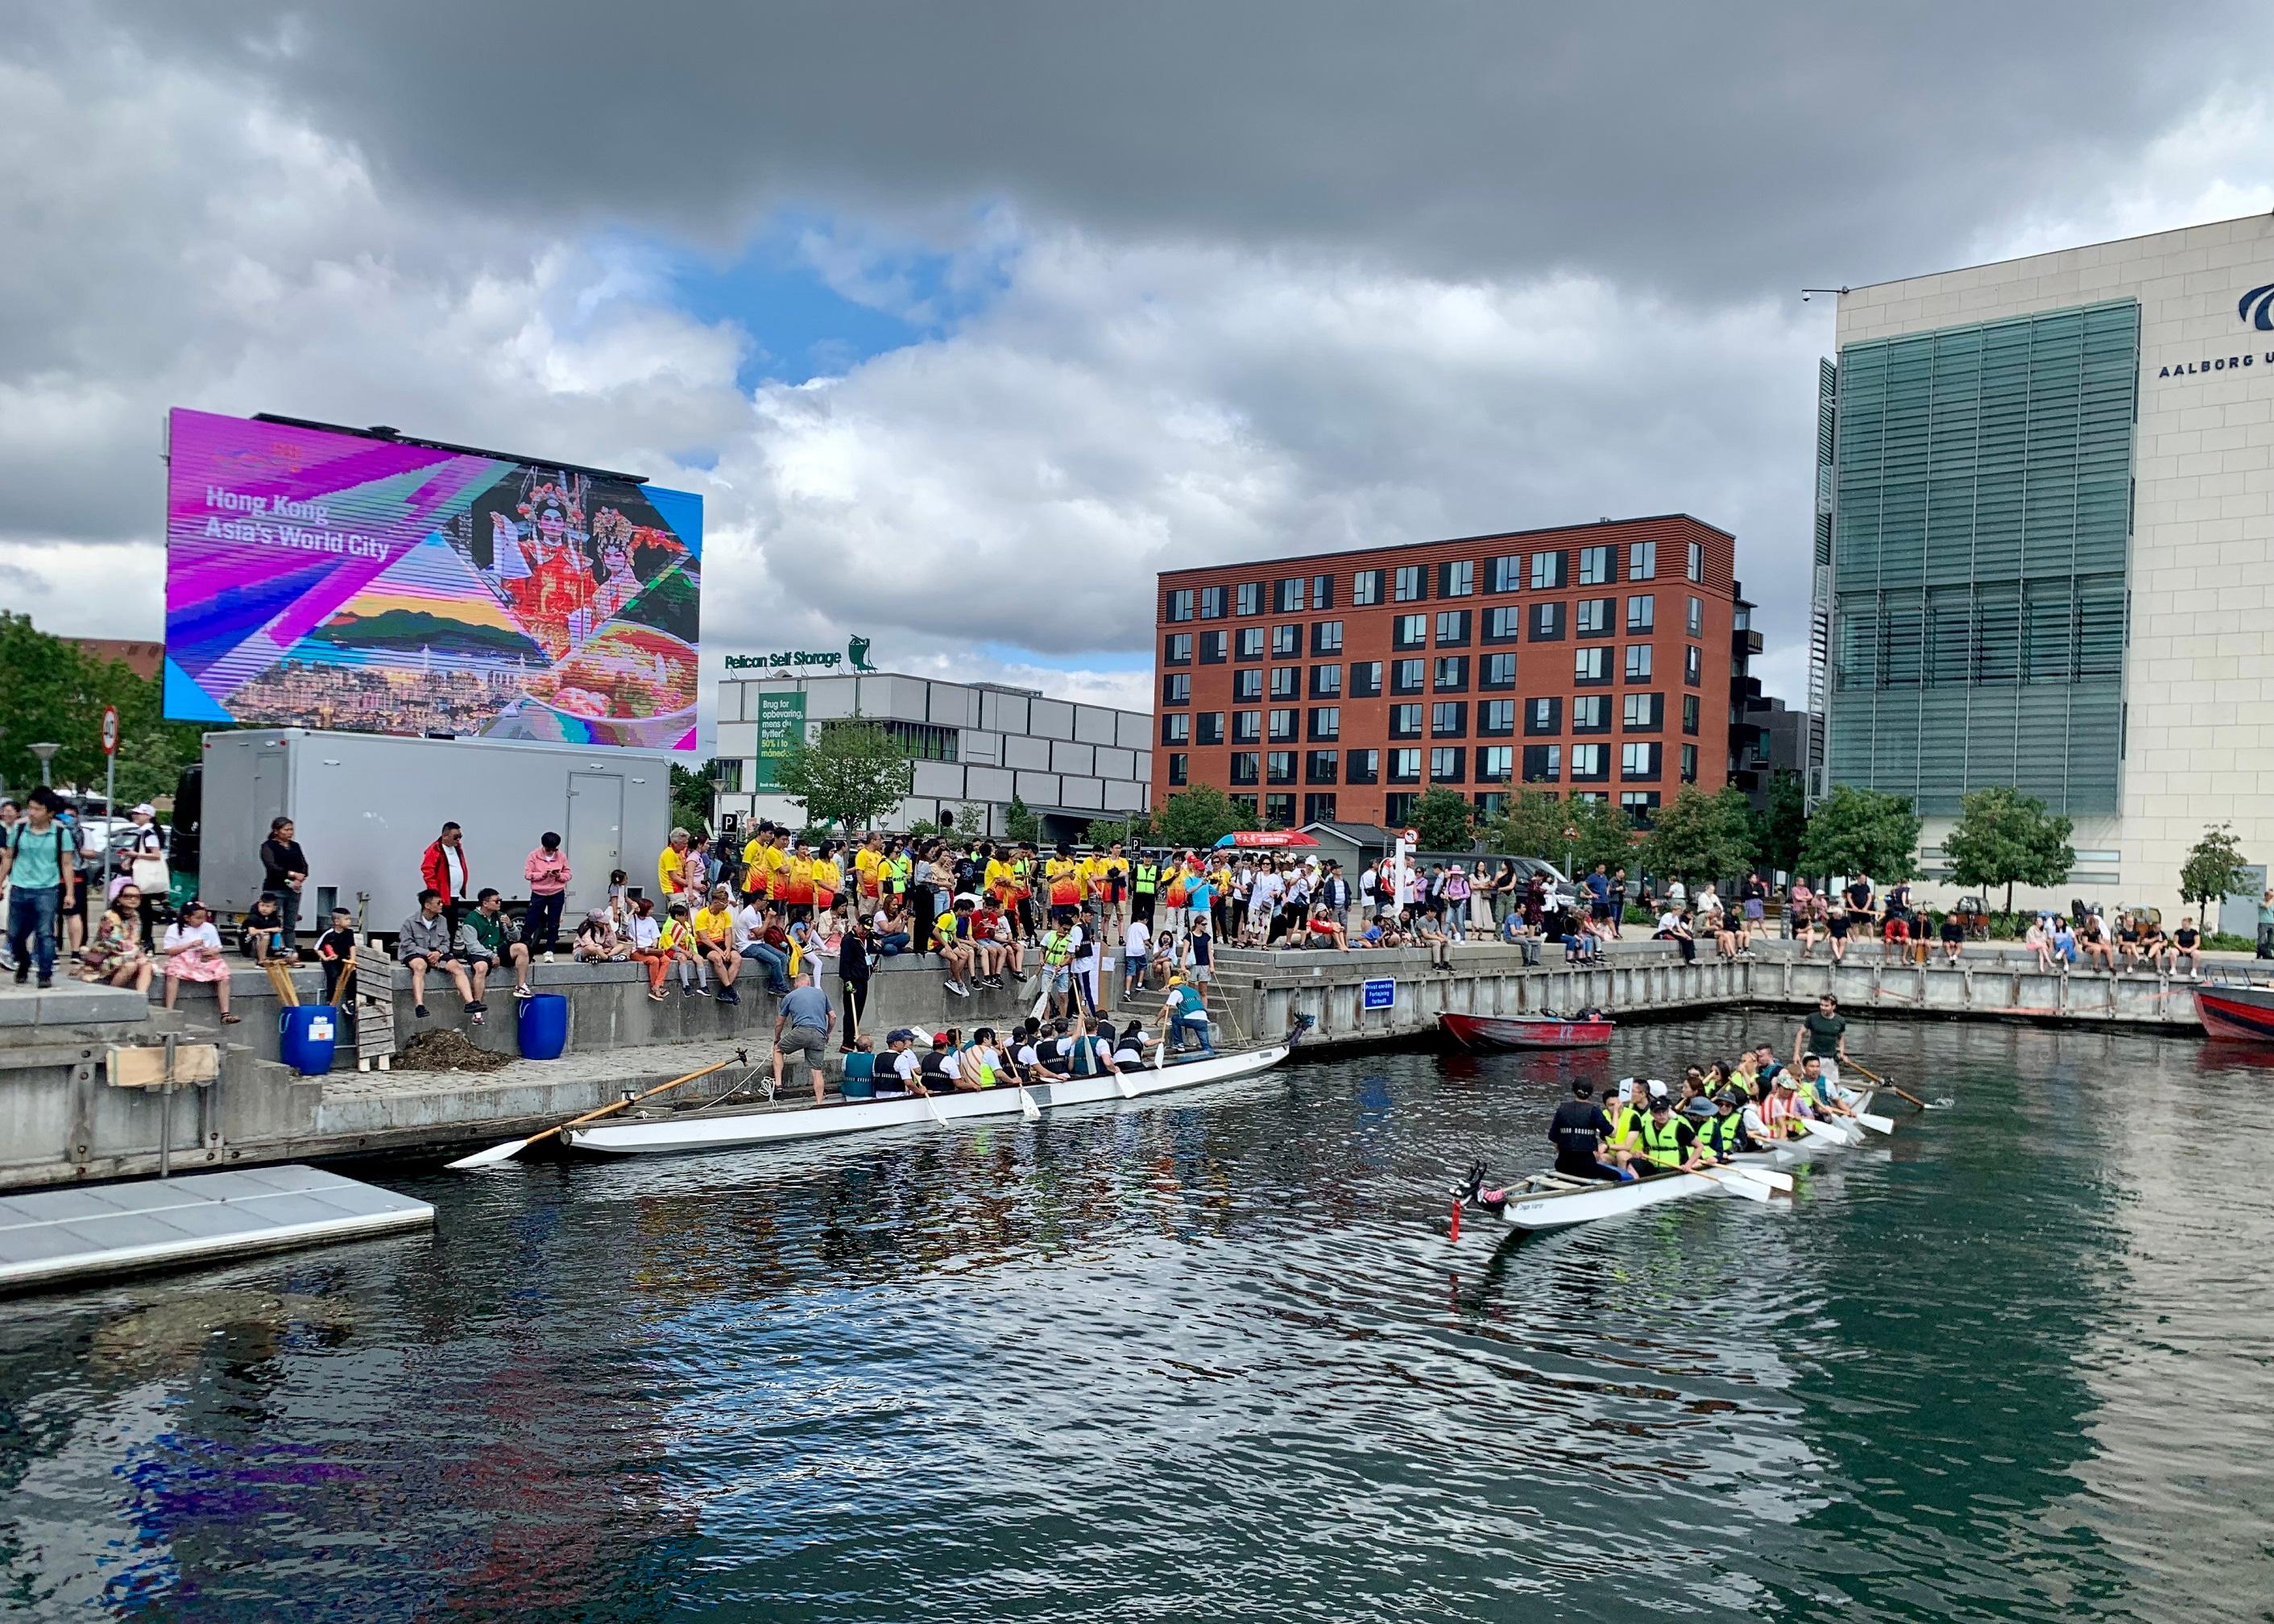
point(548, 873)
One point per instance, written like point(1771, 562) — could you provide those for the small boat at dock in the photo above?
point(2236, 1009)
point(1591, 1030)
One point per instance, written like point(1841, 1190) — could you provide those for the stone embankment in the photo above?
point(73, 1111)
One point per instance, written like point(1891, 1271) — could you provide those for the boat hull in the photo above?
point(1534, 1211)
point(781, 1125)
point(1523, 1032)
point(2243, 1014)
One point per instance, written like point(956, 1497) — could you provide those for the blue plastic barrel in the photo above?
point(305, 1037)
point(544, 1026)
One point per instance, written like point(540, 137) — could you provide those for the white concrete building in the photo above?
point(974, 745)
point(2045, 548)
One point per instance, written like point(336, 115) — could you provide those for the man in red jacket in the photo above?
point(443, 870)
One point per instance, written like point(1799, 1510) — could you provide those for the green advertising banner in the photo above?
point(781, 729)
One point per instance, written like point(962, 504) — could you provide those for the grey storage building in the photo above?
point(975, 745)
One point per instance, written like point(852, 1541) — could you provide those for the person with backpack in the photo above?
point(39, 863)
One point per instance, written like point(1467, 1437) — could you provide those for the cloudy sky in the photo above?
point(967, 319)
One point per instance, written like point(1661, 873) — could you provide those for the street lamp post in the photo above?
point(47, 755)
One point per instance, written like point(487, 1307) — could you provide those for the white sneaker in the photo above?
point(548, 958)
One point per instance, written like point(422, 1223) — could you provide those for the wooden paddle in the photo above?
point(1881, 1082)
point(513, 1147)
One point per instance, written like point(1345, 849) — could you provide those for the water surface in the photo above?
point(1215, 1358)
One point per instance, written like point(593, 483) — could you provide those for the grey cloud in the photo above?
point(1746, 144)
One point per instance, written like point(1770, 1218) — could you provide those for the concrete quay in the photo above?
point(71, 1112)
point(63, 1119)
point(1266, 991)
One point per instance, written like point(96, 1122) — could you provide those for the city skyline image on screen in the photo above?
point(317, 579)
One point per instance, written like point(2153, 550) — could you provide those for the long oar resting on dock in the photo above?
point(513, 1147)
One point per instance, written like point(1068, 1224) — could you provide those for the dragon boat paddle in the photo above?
point(513, 1148)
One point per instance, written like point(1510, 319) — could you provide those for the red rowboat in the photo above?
point(1525, 1030)
point(2245, 1013)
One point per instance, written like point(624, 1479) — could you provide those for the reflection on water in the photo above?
point(1215, 1358)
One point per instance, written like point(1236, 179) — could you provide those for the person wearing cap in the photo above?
point(597, 941)
point(1668, 1142)
point(906, 1069)
point(143, 850)
point(1185, 1012)
point(1779, 1117)
point(1581, 1133)
point(1723, 1134)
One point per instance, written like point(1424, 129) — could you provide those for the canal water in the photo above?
point(1215, 1359)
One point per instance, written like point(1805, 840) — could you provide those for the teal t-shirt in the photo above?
point(39, 856)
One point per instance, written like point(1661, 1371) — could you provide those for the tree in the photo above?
point(851, 775)
point(55, 693)
point(1701, 837)
point(2213, 868)
point(1531, 824)
point(2004, 838)
point(1861, 831)
point(1131, 829)
point(691, 790)
point(1785, 824)
point(1198, 817)
point(1443, 820)
point(1534, 823)
point(1020, 822)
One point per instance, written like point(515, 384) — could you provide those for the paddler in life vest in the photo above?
point(1819, 1094)
point(1669, 1143)
point(1625, 1120)
point(1723, 1135)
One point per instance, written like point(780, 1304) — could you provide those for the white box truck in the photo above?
point(366, 806)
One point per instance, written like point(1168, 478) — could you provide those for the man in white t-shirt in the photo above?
point(1369, 882)
point(1136, 956)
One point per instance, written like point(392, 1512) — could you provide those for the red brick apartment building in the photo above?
point(1604, 660)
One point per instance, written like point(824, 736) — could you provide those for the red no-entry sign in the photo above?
point(110, 729)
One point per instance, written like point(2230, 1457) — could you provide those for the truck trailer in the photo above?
point(366, 805)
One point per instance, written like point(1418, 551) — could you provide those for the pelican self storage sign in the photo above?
point(781, 729)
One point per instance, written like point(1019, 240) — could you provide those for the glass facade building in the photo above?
point(1972, 551)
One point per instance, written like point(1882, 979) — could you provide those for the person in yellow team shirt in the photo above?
point(1062, 878)
point(868, 867)
point(794, 882)
point(1001, 878)
point(714, 938)
point(755, 875)
point(667, 866)
point(828, 878)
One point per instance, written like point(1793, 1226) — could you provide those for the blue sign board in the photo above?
point(1380, 994)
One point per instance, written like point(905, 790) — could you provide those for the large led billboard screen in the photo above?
point(316, 579)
